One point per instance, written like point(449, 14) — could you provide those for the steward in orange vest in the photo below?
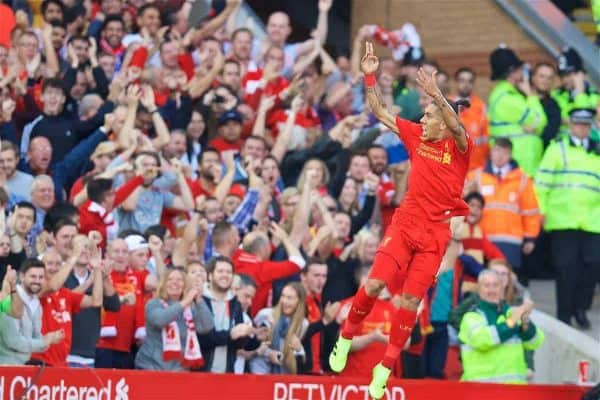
point(474, 118)
point(511, 217)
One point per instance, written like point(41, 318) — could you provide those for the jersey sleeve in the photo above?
point(409, 132)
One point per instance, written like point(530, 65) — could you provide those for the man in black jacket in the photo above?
point(86, 323)
point(60, 124)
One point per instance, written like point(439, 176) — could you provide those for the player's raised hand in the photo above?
point(369, 62)
point(428, 82)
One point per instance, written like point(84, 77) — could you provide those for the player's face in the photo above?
point(433, 124)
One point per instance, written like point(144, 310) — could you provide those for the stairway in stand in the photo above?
point(584, 20)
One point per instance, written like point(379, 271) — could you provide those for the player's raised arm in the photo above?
point(450, 116)
point(369, 65)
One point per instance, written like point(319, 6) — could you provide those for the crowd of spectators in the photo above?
point(188, 197)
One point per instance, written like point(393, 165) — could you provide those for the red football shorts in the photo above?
point(410, 254)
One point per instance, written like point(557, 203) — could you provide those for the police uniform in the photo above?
point(568, 188)
point(514, 115)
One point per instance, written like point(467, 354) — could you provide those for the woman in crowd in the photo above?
point(288, 324)
point(173, 318)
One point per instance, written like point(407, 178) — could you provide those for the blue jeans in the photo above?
point(436, 350)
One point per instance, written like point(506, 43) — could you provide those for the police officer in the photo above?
point(514, 110)
point(568, 188)
point(575, 91)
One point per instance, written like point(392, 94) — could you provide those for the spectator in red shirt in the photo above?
point(59, 306)
point(254, 259)
point(119, 328)
point(268, 81)
point(368, 346)
point(96, 214)
point(230, 130)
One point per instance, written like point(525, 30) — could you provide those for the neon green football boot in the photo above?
point(379, 381)
point(339, 354)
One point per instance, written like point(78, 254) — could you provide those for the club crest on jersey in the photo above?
point(446, 158)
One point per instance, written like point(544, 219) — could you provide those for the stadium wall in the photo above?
point(557, 361)
point(454, 33)
point(91, 384)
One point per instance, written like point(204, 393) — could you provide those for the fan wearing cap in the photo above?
point(514, 110)
point(568, 192)
point(230, 131)
point(575, 91)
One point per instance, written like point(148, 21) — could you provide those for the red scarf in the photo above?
point(192, 356)
point(115, 51)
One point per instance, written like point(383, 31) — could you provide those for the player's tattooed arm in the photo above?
point(369, 65)
point(379, 108)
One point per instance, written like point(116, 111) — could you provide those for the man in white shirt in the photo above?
point(20, 337)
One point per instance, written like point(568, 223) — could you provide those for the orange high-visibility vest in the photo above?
point(511, 210)
point(476, 124)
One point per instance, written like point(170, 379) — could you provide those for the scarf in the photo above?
point(115, 51)
point(192, 356)
point(110, 223)
point(280, 331)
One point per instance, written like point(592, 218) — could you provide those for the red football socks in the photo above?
point(402, 326)
point(361, 307)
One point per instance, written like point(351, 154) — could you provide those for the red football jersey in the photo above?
point(125, 320)
point(362, 362)
point(57, 309)
point(437, 175)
